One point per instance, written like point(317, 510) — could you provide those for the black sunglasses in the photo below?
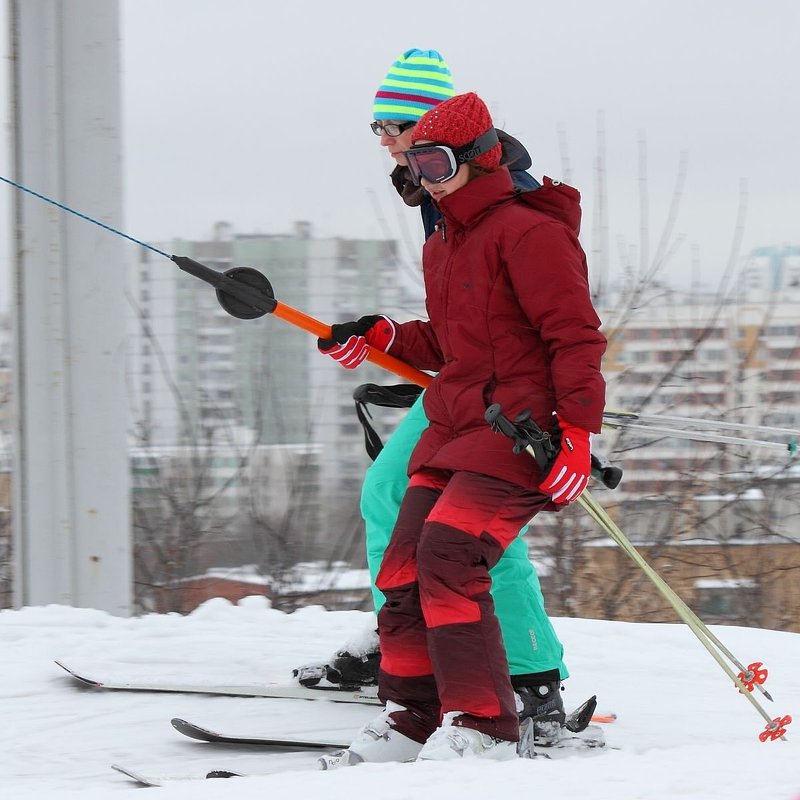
point(390, 128)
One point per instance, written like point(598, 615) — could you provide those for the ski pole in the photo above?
point(713, 424)
point(710, 642)
point(599, 514)
point(700, 436)
point(528, 436)
point(716, 429)
point(243, 292)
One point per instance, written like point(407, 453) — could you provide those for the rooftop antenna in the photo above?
point(566, 169)
point(644, 207)
point(600, 245)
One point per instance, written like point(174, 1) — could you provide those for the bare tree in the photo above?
point(712, 517)
point(262, 512)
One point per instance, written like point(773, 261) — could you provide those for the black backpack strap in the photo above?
point(403, 395)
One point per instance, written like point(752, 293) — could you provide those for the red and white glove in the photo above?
point(567, 477)
point(350, 341)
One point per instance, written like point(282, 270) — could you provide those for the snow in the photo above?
point(311, 576)
point(726, 583)
point(682, 731)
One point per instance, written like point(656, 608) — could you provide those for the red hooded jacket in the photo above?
point(511, 322)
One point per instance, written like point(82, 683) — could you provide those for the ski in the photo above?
point(204, 734)
point(590, 741)
point(591, 737)
point(579, 736)
point(364, 696)
point(163, 780)
point(576, 732)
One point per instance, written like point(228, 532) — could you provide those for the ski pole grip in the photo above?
point(605, 472)
point(524, 439)
point(502, 424)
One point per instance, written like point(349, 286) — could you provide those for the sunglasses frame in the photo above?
point(378, 128)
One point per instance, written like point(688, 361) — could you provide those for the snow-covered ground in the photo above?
point(682, 730)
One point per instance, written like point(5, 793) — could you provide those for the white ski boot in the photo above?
point(451, 741)
point(377, 741)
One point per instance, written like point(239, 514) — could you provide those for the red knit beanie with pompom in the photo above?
point(456, 122)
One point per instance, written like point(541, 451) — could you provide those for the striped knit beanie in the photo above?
point(456, 122)
point(416, 82)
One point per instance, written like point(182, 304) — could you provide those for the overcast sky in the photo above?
point(256, 112)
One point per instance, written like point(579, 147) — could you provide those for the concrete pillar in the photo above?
point(72, 499)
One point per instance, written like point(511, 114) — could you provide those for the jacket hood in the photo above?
point(479, 196)
point(515, 156)
point(557, 200)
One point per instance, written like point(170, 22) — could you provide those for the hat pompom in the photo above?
point(456, 122)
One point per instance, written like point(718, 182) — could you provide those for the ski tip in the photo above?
point(193, 731)
point(136, 776)
point(182, 726)
point(77, 675)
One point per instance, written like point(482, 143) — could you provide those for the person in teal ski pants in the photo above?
point(417, 81)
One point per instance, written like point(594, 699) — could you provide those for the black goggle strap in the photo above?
point(484, 143)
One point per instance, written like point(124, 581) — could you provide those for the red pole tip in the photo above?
point(775, 729)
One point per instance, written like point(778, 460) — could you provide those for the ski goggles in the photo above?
point(438, 163)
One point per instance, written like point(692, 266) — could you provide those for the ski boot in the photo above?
point(350, 668)
point(378, 741)
point(546, 726)
point(540, 701)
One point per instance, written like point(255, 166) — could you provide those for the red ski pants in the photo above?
point(441, 646)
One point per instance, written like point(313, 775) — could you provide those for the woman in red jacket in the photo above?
point(511, 322)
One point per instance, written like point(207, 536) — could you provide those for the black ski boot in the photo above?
point(352, 671)
point(346, 671)
point(539, 699)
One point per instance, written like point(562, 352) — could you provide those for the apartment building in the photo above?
point(199, 374)
point(734, 358)
point(720, 522)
